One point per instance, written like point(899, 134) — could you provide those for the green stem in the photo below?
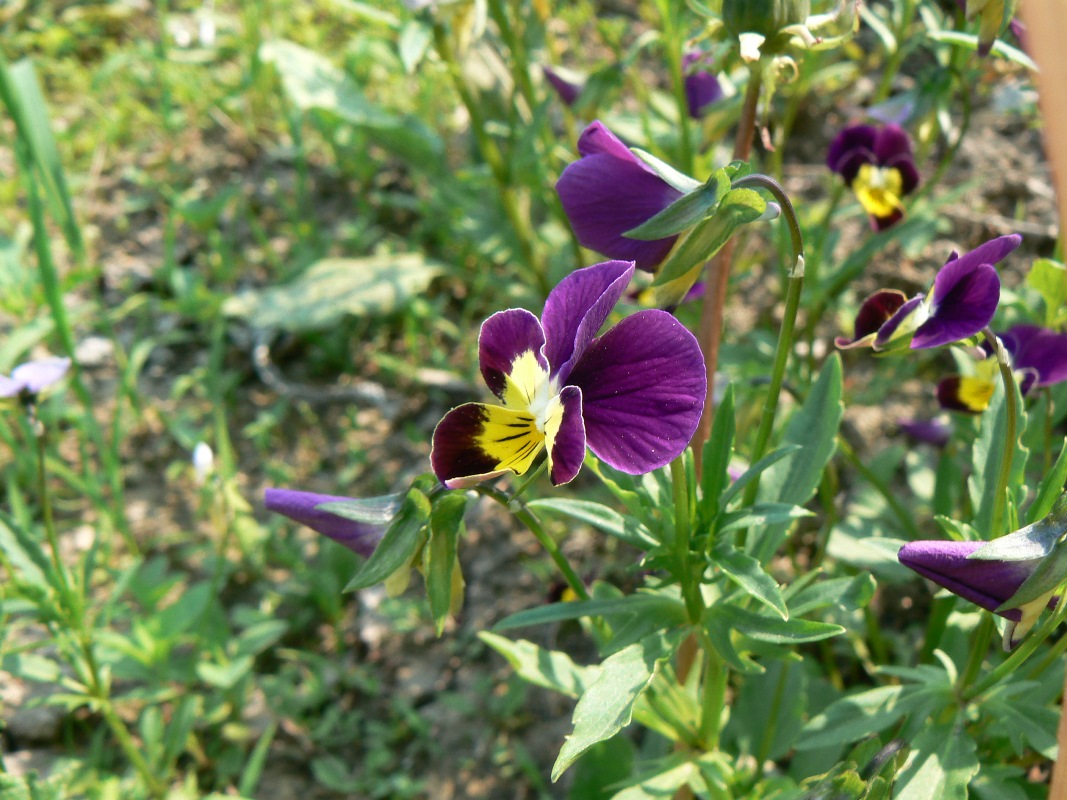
point(770, 727)
point(520, 222)
point(1011, 411)
point(682, 534)
point(794, 286)
point(979, 647)
point(715, 679)
point(49, 521)
point(533, 524)
point(673, 40)
point(533, 476)
point(892, 66)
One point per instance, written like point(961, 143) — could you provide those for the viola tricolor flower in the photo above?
point(877, 165)
point(634, 395)
point(970, 394)
point(609, 191)
point(565, 85)
point(985, 583)
point(30, 379)
point(303, 507)
point(701, 86)
point(962, 302)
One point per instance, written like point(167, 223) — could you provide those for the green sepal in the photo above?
point(686, 211)
point(370, 510)
point(400, 543)
point(678, 180)
point(1036, 540)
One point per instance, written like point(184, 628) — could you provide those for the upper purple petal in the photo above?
point(643, 388)
point(985, 583)
point(1040, 350)
point(577, 308)
point(33, 376)
point(851, 149)
point(360, 537)
point(504, 337)
point(610, 191)
point(990, 252)
point(892, 148)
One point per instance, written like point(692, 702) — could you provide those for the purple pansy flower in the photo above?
point(986, 583)
point(302, 507)
point(962, 302)
point(634, 395)
point(701, 86)
point(877, 165)
point(566, 86)
point(33, 377)
point(609, 191)
point(934, 432)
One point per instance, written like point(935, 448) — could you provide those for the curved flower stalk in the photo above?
point(30, 379)
point(609, 191)
point(877, 165)
point(1038, 358)
point(305, 507)
point(634, 395)
point(961, 303)
point(989, 584)
point(702, 88)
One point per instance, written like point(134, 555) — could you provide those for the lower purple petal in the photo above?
point(566, 445)
point(643, 389)
point(359, 537)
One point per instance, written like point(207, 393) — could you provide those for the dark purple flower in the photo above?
point(609, 191)
point(935, 432)
point(634, 395)
point(701, 86)
point(1039, 350)
point(33, 377)
point(877, 164)
point(566, 87)
point(986, 583)
point(303, 507)
point(964, 298)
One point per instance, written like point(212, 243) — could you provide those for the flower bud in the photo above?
point(765, 17)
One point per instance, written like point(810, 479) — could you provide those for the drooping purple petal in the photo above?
point(576, 309)
point(934, 432)
point(900, 321)
point(359, 537)
point(568, 90)
point(875, 312)
point(701, 86)
point(964, 301)
point(643, 387)
point(851, 149)
point(892, 148)
point(565, 438)
point(985, 583)
point(504, 338)
point(610, 191)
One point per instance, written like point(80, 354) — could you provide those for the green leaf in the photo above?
point(987, 455)
point(256, 638)
point(1025, 724)
point(782, 631)
point(944, 759)
point(1050, 488)
point(854, 717)
point(969, 41)
point(756, 469)
point(780, 694)
point(749, 574)
point(682, 268)
point(398, 546)
point(1049, 278)
point(549, 669)
point(334, 287)
point(31, 667)
point(184, 612)
point(606, 764)
point(601, 517)
point(224, 676)
point(718, 621)
point(672, 610)
point(848, 594)
point(446, 526)
point(762, 514)
point(606, 707)
point(415, 38)
point(718, 450)
point(813, 427)
point(663, 780)
point(369, 510)
point(685, 212)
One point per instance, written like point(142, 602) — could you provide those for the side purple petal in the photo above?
point(576, 309)
point(358, 537)
point(892, 148)
point(568, 445)
point(1040, 350)
point(643, 387)
point(892, 325)
point(504, 337)
point(985, 583)
point(990, 252)
point(851, 149)
point(965, 299)
point(876, 310)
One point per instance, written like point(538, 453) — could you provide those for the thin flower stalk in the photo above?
point(1011, 411)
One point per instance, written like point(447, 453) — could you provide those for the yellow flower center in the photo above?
point(879, 189)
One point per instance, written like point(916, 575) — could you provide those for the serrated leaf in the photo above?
point(398, 546)
point(446, 527)
point(685, 212)
point(606, 707)
point(549, 669)
point(332, 288)
point(749, 574)
point(605, 519)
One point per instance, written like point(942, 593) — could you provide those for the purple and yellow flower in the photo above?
point(303, 507)
point(609, 191)
point(633, 395)
point(972, 393)
point(962, 302)
point(30, 379)
point(877, 165)
point(702, 88)
point(986, 583)
point(566, 85)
